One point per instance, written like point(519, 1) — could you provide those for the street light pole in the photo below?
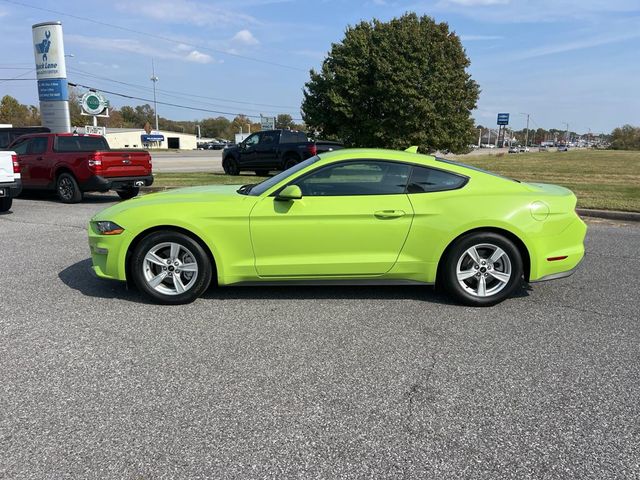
point(154, 79)
point(566, 134)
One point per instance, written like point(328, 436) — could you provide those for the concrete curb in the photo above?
point(609, 214)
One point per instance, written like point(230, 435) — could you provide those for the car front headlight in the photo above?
point(108, 228)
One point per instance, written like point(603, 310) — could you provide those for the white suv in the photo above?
point(10, 183)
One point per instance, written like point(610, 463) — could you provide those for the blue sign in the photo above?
point(152, 138)
point(53, 89)
point(503, 119)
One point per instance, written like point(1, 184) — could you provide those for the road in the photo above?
point(348, 382)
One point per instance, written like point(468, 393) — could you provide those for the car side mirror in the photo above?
point(290, 192)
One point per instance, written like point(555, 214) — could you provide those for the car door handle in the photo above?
point(389, 213)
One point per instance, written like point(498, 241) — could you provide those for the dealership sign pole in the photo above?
point(51, 72)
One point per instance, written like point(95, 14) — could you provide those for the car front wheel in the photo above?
point(171, 267)
point(230, 166)
point(482, 269)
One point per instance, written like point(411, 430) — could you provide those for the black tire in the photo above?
point(127, 193)
point(230, 166)
point(5, 204)
point(67, 189)
point(471, 294)
point(289, 162)
point(140, 269)
point(262, 173)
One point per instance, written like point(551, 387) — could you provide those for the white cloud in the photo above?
point(198, 57)
point(189, 12)
point(244, 37)
point(476, 3)
point(574, 45)
point(181, 52)
point(479, 38)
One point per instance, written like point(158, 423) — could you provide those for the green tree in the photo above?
point(626, 137)
point(284, 120)
point(394, 84)
point(17, 114)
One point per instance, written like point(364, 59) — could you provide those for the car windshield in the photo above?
point(471, 167)
point(260, 188)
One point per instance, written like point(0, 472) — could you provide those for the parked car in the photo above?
point(361, 215)
point(563, 148)
point(514, 150)
point(10, 182)
point(523, 149)
point(9, 134)
point(272, 150)
point(543, 148)
point(72, 164)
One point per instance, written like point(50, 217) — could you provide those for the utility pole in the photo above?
point(566, 134)
point(154, 79)
point(479, 136)
point(526, 138)
point(198, 126)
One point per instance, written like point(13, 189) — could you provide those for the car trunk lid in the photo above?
point(123, 163)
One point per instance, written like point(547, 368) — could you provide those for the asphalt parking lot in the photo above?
point(344, 382)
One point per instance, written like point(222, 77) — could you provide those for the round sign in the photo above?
point(94, 103)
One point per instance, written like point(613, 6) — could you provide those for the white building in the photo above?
point(138, 138)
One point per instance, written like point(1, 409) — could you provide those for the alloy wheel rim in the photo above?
point(483, 270)
point(170, 268)
point(65, 188)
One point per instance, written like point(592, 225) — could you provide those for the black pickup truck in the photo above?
point(272, 150)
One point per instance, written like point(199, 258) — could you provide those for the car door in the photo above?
point(352, 220)
point(39, 162)
point(266, 148)
point(248, 150)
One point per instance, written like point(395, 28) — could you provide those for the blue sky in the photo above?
point(575, 61)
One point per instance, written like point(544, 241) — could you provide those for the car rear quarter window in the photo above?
point(424, 179)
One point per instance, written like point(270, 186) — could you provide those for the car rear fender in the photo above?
point(505, 230)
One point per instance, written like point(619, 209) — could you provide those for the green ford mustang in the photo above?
point(350, 216)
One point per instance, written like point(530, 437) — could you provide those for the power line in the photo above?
point(186, 107)
point(19, 77)
point(176, 93)
point(153, 35)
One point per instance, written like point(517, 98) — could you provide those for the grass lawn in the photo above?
point(603, 179)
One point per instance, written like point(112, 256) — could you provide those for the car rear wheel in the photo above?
point(127, 193)
point(67, 189)
point(171, 268)
point(482, 269)
point(5, 204)
point(230, 166)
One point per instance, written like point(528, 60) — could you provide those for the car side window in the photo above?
point(424, 179)
point(252, 140)
point(38, 145)
point(269, 138)
point(364, 177)
point(21, 147)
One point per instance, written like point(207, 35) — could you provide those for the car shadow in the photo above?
point(97, 198)
point(79, 277)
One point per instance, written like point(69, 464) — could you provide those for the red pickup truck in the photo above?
point(71, 164)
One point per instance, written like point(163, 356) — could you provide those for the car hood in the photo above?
point(190, 195)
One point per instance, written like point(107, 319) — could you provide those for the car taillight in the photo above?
point(16, 165)
point(313, 149)
point(95, 162)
